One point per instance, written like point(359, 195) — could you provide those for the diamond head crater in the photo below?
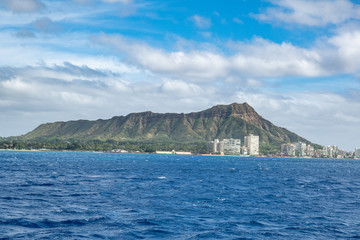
point(151, 132)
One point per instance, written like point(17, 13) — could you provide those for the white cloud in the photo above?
point(237, 20)
point(181, 88)
point(264, 58)
point(22, 6)
point(195, 65)
point(201, 22)
point(257, 59)
point(252, 82)
point(347, 47)
point(58, 86)
point(311, 13)
point(253, 59)
point(42, 51)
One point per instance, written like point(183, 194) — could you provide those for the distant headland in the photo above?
point(151, 132)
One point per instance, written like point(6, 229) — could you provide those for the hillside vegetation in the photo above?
point(221, 121)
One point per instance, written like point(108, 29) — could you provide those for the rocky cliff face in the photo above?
point(221, 121)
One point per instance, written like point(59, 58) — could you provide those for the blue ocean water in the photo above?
point(57, 195)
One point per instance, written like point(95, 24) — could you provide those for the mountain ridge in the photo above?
point(221, 121)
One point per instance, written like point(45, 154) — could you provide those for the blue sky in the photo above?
point(297, 62)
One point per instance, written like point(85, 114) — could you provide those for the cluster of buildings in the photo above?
point(233, 146)
point(301, 149)
point(250, 147)
point(298, 149)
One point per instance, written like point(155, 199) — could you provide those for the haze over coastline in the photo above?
point(89, 59)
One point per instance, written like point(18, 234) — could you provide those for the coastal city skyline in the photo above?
point(250, 147)
point(95, 59)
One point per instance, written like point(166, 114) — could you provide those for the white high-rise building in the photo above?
point(357, 153)
point(300, 147)
point(288, 149)
point(251, 142)
point(231, 146)
point(214, 146)
point(309, 150)
point(226, 146)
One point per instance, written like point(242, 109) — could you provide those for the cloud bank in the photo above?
point(96, 59)
point(311, 13)
point(257, 58)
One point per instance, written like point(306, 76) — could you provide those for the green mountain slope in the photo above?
point(221, 121)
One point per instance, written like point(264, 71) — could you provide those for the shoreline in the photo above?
point(46, 150)
point(210, 155)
